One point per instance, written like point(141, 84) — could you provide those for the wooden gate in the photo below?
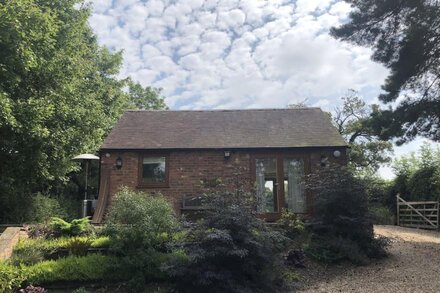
point(418, 214)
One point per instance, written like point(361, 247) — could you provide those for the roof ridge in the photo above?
point(230, 110)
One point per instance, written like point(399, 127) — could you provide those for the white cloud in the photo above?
point(236, 53)
point(231, 20)
point(309, 6)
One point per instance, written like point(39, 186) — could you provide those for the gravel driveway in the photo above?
point(413, 266)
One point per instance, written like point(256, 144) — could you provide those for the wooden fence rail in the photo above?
point(418, 214)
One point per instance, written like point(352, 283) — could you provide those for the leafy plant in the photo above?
point(71, 268)
point(11, 278)
point(418, 175)
point(78, 246)
point(39, 231)
point(81, 290)
point(229, 250)
point(27, 255)
point(100, 242)
point(290, 223)
point(140, 226)
point(137, 219)
point(75, 228)
point(43, 207)
point(381, 215)
point(341, 228)
point(31, 251)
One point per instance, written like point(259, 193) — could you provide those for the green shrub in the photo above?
point(140, 227)
point(81, 290)
point(137, 219)
point(100, 242)
point(71, 268)
point(341, 228)
point(27, 255)
point(31, 251)
point(423, 184)
point(417, 175)
point(76, 227)
point(43, 207)
point(11, 278)
point(39, 231)
point(291, 224)
point(21, 206)
point(381, 215)
point(230, 250)
point(78, 246)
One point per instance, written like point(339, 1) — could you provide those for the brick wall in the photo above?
point(8, 239)
point(188, 168)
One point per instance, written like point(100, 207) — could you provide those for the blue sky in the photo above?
point(212, 54)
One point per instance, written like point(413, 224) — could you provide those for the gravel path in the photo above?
point(413, 266)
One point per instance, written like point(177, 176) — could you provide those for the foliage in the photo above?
point(418, 175)
point(290, 223)
point(404, 38)
point(43, 207)
point(367, 151)
point(28, 255)
point(59, 97)
point(81, 290)
point(39, 230)
point(340, 227)
point(61, 242)
point(381, 199)
point(11, 277)
point(36, 208)
point(145, 97)
point(100, 242)
point(78, 246)
point(136, 219)
point(229, 250)
point(70, 268)
point(140, 226)
point(381, 215)
point(75, 228)
point(31, 251)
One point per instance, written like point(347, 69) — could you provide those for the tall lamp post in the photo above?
point(86, 158)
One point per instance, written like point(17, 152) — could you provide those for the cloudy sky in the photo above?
point(208, 54)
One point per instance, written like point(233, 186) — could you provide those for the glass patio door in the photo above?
point(272, 196)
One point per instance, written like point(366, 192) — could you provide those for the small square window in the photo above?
point(153, 171)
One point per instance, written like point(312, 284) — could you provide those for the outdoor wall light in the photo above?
point(227, 154)
point(118, 163)
point(337, 154)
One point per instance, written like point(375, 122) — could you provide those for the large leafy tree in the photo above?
point(418, 174)
point(405, 37)
point(367, 151)
point(59, 94)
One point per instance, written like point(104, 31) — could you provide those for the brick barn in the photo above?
point(178, 153)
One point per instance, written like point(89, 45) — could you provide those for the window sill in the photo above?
point(152, 186)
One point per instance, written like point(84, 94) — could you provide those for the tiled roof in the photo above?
point(259, 128)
